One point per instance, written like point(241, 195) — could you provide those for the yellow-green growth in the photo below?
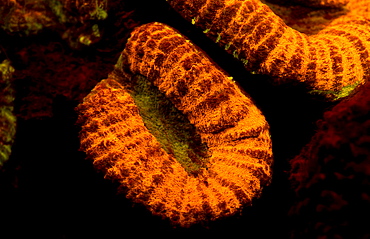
point(244, 61)
point(7, 118)
point(34, 24)
point(95, 30)
point(85, 39)
point(57, 8)
point(227, 46)
point(100, 13)
point(169, 126)
point(218, 37)
point(344, 92)
point(88, 38)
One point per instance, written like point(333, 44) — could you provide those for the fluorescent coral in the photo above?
point(175, 131)
point(332, 62)
point(148, 125)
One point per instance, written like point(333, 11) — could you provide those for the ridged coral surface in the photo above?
point(228, 154)
point(332, 62)
point(331, 175)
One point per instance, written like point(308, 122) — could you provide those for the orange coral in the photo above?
point(117, 133)
point(322, 3)
point(332, 62)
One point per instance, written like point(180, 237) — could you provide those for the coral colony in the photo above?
point(176, 131)
point(181, 147)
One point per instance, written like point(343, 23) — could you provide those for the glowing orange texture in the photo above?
point(332, 62)
point(238, 160)
point(321, 3)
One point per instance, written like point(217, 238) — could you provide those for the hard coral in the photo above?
point(332, 62)
point(175, 131)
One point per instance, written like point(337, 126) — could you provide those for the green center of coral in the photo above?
point(169, 126)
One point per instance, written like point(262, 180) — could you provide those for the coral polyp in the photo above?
point(175, 131)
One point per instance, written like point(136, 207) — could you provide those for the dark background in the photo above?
point(49, 190)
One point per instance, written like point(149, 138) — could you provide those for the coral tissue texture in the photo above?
point(331, 175)
point(322, 3)
point(332, 62)
point(213, 153)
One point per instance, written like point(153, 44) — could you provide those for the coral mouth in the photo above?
point(177, 136)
